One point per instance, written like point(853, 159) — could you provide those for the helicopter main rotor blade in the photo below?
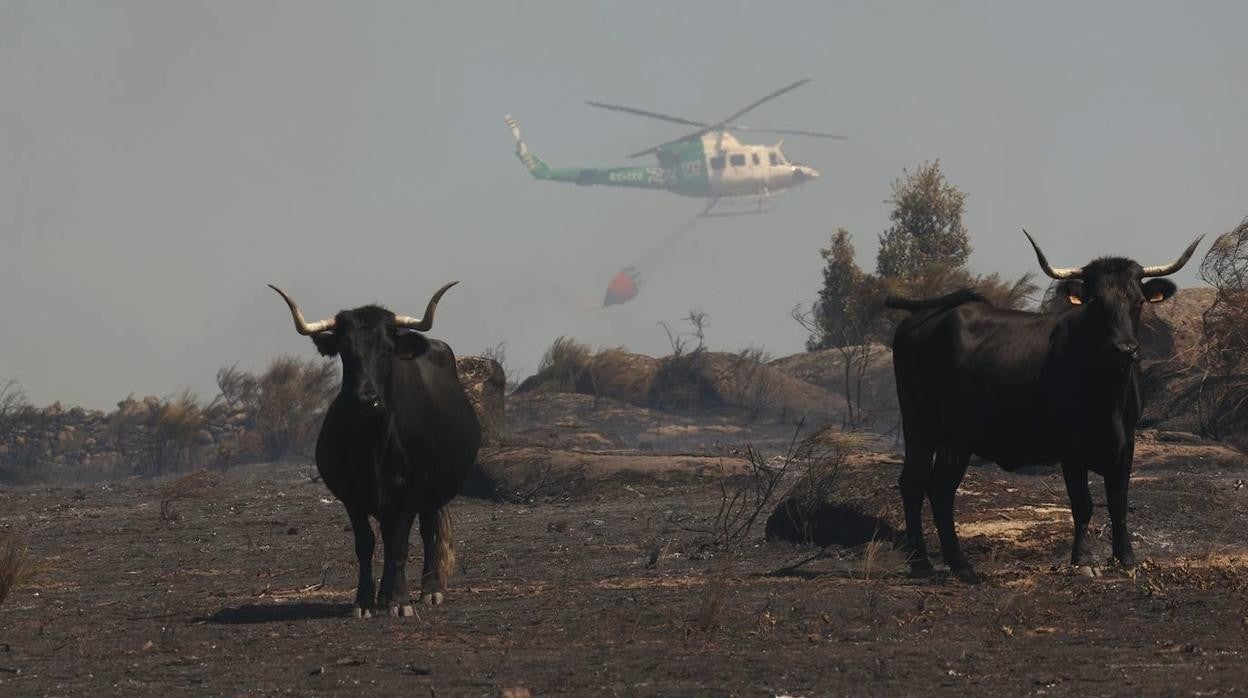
point(648, 114)
point(786, 132)
point(754, 105)
point(719, 127)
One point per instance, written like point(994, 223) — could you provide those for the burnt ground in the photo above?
point(240, 583)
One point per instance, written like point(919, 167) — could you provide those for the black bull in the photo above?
point(1022, 388)
point(396, 444)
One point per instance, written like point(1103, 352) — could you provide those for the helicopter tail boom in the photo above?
point(637, 177)
point(536, 167)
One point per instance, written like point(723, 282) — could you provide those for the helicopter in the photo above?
point(709, 163)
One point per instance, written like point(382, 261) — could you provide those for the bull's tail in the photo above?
point(951, 300)
point(445, 546)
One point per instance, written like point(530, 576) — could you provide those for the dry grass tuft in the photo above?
point(565, 362)
point(714, 598)
point(880, 559)
point(15, 566)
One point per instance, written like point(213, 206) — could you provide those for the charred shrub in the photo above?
point(748, 383)
point(681, 382)
point(1223, 395)
point(20, 449)
point(816, 510)
point(162, 434)
point(279, 410)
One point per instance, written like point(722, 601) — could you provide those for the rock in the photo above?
point(823, 523)
point(203, 437)
point(1178, 437)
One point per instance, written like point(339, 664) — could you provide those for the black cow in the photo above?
point(1022, 388)
point(397, 443)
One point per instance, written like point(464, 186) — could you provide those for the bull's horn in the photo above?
point(423, 324)
point(303, 326)
point(1055, 272)
point(1168, 269)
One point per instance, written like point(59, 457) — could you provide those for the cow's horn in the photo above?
point(1168, 269)
point(303, 326)
point(423, 324)
point(1055, 272)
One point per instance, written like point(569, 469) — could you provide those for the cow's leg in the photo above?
point(913, 485)
point(439, 540)
point(364, 543)
point(395, 531)
point(1076, 477)
point(947, 474)
point(1116, 501)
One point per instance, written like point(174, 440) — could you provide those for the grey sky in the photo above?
point(161, 161)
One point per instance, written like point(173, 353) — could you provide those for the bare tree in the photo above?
point(12, 398)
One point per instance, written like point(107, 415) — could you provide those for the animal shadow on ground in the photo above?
point(278, 613)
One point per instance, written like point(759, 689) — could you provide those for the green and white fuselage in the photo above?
point(709, 166)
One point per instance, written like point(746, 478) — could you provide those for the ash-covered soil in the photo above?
point(240, 583)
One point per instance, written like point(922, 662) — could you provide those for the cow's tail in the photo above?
point(445, 545)
point(951, 300)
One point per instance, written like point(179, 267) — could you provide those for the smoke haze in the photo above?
point(162, 162)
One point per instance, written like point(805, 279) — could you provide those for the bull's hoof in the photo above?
point(362, 612)
point(403, 611)
point(434, 598)
point(1088, 571)
point(967, 575)
point(921, 569)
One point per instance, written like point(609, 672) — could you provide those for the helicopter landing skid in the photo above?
point(752, 207)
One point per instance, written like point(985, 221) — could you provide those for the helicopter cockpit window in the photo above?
point(775, 159)
point(717, 162)
point(737, 159)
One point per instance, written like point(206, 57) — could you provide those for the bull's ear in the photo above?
point(1158, 290)
point(409, 344)
point(1071, 290)
point(326, 343)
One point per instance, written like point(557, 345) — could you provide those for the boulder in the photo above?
point(825, 368)
point(691, 382)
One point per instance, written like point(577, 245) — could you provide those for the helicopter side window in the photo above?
point(755, 157)
point(717, 162)
point(737, 159)
point(775, 159)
